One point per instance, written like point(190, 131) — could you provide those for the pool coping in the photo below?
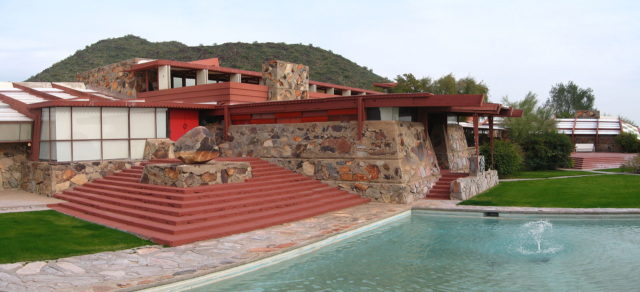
point(452, 205)
point(199, 281)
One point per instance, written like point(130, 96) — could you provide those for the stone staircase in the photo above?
point(175, 216)
point(442, 190)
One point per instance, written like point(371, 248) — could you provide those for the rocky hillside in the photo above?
point(324, 65)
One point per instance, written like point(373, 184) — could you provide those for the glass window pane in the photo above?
point(115, 149)
point(86, 123)
point(86, 150)
point(161, 123)
point(25, 132)
point(143, 123)
point(61, 123)
point(44, 151)
point(137, 149)
point(61, 151)
point(115, 122)
point(44, 131)
point(9, 132)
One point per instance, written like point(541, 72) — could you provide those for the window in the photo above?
point(95, 133)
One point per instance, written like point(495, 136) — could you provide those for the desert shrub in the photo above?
point(546, 151)
point(634, 164)
point(507, 156)
point(628, 142)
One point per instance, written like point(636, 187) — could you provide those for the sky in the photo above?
point(512, 46)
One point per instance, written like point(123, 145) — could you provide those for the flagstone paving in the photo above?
point(151, 265)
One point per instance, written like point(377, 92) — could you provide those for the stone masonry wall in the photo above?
point(457, 150)
point(193, 175)
point(286, 81)
point(46, 179)
point(467, 187)
point(394, 161)
point(114, 78)
point(13, 156)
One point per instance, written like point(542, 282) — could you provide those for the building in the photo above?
point(590, 132)
point(388, 147)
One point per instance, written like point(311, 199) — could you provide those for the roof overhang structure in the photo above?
point(197, 65)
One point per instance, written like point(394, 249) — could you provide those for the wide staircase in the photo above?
point(174, 216)
point(599, 160)
point(441, 190)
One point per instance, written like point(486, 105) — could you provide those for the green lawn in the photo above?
point(547, 173)
point(621, 169)
point(41, 235)
point(602, 191)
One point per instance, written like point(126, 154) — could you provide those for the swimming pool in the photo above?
point(432, 251)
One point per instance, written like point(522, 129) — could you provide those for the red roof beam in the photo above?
point(18, 106)
point(76, 92)
point(120, 103)
point(35, 92)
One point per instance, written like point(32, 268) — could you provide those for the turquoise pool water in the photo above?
point(427, 252)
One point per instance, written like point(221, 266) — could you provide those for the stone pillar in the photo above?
point(346, 92)
point(164, 77)
point(286, 81)
point(236, 78)
point(313, 88)
point(202, 77)
point(330, 90)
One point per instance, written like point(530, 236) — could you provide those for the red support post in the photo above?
point(361, 117)
point(35, 138)
point(227, 122)
point(491, 140)
point(476, 135)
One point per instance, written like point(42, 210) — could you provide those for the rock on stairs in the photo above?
point(175, 216)
point(441, 190)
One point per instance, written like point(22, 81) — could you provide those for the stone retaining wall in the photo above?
point(13, 156)
point(394, 162)
point(46, 178)
point(467, 187)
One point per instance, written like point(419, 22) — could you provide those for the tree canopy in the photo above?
point(564, 100)
point(447, 84)
point(535, 119)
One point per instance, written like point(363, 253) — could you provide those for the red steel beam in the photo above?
point(76, 92)
point(476, 135)
point(19, 106)
point(35, 138)
point(227, 122)
point(361, 117)
point(491, 140)
point(37, 93)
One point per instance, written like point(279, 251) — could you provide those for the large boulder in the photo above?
point(196, 146)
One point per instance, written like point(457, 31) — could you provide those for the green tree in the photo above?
point(447, 84)
point(535, 119)
point(409, 83)
point(564, 100)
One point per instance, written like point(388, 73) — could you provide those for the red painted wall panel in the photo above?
point(181, 121)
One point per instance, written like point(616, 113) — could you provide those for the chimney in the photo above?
point(286, 81)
